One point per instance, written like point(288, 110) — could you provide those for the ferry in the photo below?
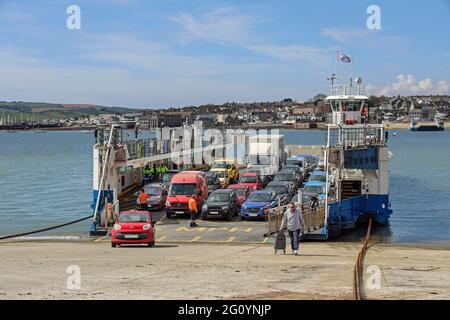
point(355, 157)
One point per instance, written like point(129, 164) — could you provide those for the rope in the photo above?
point(358, 274)
point(44, 229)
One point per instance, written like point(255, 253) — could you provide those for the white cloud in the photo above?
point(363, 38)
point(223, 26)
point(406, 84)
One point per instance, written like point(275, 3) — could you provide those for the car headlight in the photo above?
point(146, 226)
point(167, 203)
point(205, 207)
point(225, 208)
point(117, 227)
point(255, 187)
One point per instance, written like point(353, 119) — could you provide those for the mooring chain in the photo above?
point(358, 273)
point(44, 229)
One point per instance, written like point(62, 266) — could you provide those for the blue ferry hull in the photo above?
point(348, 213)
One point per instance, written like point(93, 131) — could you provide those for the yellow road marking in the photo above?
point(230, 239)
point(248, 229)
point(101, 239)
point(233, 230)
point(265, 239)
point(183, 229)
point(201, 229)
point(196, 239)
point(161, 239)
point(211, 229)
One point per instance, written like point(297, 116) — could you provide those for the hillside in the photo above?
point(40, 110)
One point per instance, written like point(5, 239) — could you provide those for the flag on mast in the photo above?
point(345, 58)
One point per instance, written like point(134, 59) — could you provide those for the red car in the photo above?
point(241, 190)
point(133, 227)
point(251, 180)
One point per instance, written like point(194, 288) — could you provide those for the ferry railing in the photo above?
point(348, 138)
point(314, 218)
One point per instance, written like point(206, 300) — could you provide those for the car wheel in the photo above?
point(113, 244)
point(168, 215)
point(151, 244)
point(204, 217)
point(229, 216)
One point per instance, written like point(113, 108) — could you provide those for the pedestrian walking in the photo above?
point(292, 220)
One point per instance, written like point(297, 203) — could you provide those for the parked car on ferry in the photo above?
point(315, 187)
point(287, 177)
point(257, 203)
point(301, 163)
point(184, 185)
point(242, 192)
point(318, 176)
point(282, 190)
point(223, 175)
point(252, 180)
point(212, 181)
point(133, 227)
point(294, 168)
point(166, 178)
point(306, 198)
point(221, 203)
point(157, 196)
point(311, 161)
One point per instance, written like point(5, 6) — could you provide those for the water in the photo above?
point(46, 179)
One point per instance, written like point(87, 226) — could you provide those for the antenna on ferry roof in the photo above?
point(332, 78)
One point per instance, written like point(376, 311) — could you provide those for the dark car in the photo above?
point(166, 178)
point(221, 203)
point(296, 169)
point(213, 181)
point(287, 177)
point(157, 196)
point(282, 190)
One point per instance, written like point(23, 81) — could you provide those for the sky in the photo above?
point(164, 53)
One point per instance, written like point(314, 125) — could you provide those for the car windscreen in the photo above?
point(182, 189)
point(240, 192)
point(153, 191)
point(318, 178)
point(221, 174)
point(297, 163)
point(259, 197)
point(249, 179)
point(167, 177)
point(210, 180)
point(221, 165)
point(133, 217)
point(277, 189)
point(219, 197)
point(259, 159)
point(284, 177)
point(313, 189)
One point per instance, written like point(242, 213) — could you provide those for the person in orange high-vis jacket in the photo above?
point(193, 210)
point(143, 197)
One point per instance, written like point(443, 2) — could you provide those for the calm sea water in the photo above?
point(46, 179)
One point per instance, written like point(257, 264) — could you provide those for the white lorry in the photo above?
point(266, 153)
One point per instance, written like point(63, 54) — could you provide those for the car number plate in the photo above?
point(214, 212)
point(179, 212)
point(131, 236)
point(253, 214)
